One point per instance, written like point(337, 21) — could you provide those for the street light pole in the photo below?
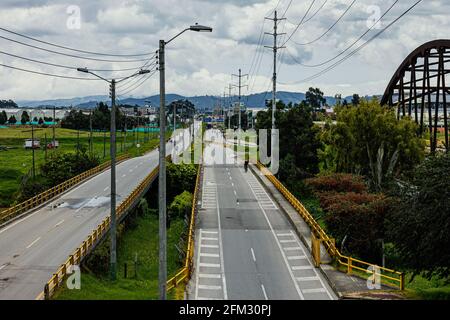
point(113, 234)
point(162, 161)
point(162, 174)
point(113, 231)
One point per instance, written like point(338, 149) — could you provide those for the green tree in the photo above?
point(314, 98)
point(12, 120)
point(3, 117)
point(419, 227)
point(356, 99)
point(369, 140)
point(25, 117)
point(297, 140)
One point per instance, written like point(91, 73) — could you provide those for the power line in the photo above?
point(312, 16)
point(139, 84)
point(71, 55)
point(349, 47)
point(65, 66)
point(72, 49)
point(134, 79)
point(357, 49)
point(47, 74)
point(300, 23)
point(131, 84)
point(328, 30)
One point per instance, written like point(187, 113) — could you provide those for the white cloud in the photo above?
point(202, 63)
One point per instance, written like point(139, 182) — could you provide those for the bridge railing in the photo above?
point(94, 238)
point(183, 275)
point(390, 276)
point(43, 197)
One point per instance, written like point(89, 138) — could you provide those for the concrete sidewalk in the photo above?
point(344, 285)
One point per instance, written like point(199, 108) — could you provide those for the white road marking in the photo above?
point(31, 244)
point(307, 278)
point(317, 274)
point(209, 255)
point(315, 290)
point(302, 267)
point(17, 222)
point(264, 292)
point(209, 276)
point(286, 241)
point(214, 246)
point(59, 223)
point(209, 265)
point(209, 238)
point(3, 266)
point(124, 175)
point(225, 295)
point(106, 189)
point(208, 232)
point(280, 247)
point(292, 248)
point(253, 254)
point(284, 234)
point(296, 257)
point(208, 287)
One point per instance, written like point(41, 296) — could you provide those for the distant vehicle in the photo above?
point(30, 144)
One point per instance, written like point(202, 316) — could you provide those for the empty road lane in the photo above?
point(245, 246)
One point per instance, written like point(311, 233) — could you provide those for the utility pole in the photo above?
point(32, 148)
point(240, 86)
point(91, 143)
point(54, 125)
point(162, 174)
point(275, 48)
point(230, 100)
point(113, 261)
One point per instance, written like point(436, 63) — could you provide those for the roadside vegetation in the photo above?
point(137, 277)
point(16, 161)
point(369, 182)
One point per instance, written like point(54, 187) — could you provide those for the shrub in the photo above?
point(358, 218)
point(338, 182)
point(180, 206)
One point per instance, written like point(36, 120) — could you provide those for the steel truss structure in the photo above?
point(419, 89)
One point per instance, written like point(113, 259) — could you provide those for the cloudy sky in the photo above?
point(199, 64)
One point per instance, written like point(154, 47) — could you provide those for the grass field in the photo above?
point(17, 161)
point(143, 242)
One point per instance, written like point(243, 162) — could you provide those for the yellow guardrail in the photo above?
point(184, 273)
point(350, 263)
point(33, 202)
point(82, 251)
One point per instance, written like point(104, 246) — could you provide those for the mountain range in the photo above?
point(201, 102)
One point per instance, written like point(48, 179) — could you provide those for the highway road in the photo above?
point(245, 246)
point(33, 247)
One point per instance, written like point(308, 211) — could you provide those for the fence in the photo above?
point(92, 240)
point(35, 201)
point(391, 276)
point(184, 274)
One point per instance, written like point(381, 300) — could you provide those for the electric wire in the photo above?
point(349, 47)
point(71, 55)
point(72, 49)
point(329, 29)
point(331, 67)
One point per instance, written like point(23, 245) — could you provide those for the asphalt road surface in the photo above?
point(34, 247)
point(245, 247)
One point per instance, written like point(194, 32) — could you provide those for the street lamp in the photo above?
point(162, 162)
point(113, 82)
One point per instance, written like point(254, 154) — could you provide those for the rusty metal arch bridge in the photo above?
point(420, 89)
